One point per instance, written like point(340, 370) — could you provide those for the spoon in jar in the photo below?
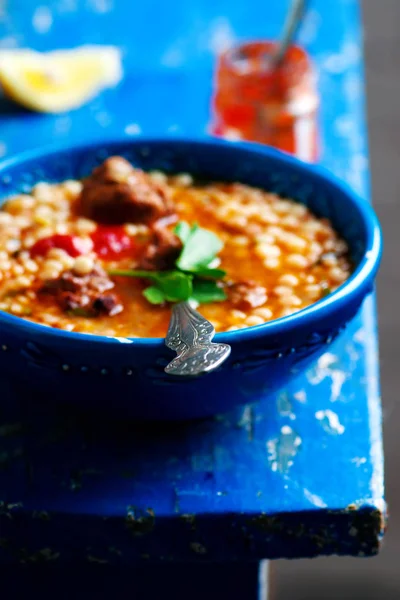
point(289, 31)
point(190, 336)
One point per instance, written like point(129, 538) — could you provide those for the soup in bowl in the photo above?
point(98, 242)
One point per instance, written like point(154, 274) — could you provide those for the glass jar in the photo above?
point(275, 106)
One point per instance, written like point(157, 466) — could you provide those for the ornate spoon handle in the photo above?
point(190, 335)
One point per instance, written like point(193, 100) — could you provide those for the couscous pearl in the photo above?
point(16, 308)
point(283, 206)
point(282, 290)
point(13, 245)
point(267, 217)
point(22, 222)
point(61, 228)
point(5, 218)
point(336, 274)
point(314, 226)
point(238, 314)
point(67, 262)
point(265, 238)
point(238, 221)
point(158, 176)
point(43, 232)
point(254, 320)
point(63, 257)
point(56, 253)
point(43, 192)
point(292, 241)
point(83, 265)
point(133, 229)
point(72, 187)
point(17, 269)
point(240, 240)
point(297, 260)
point(184, 180)
point(223, 211)
point(53, 265)
point(29, 241)
point(85, 226)
point(43, 215)
point(312, 291)
point(328, 245)
point(23, 203)
point(264, 312)
point(299, 210)
point(51, 319)
point(17, 204)
point(290, 221)
point(271, 263)
point(31, 266)
point(48, 274)
point(23, 281)
point(329, 260)
point(5, 265)
point(288, 279)
point(276, 232)
point(268, 251)
point(289, 300)
point(341, 247)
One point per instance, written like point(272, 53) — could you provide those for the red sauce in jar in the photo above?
point(274, 106)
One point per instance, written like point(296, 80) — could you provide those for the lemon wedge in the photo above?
point(61, 80)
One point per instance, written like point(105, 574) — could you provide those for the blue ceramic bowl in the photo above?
point(126, 377)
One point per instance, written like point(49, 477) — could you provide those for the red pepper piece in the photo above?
point(72, 245)
point(112, 242)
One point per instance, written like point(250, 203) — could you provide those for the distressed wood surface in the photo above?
point(300, 474)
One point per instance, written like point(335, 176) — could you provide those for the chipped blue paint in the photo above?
point(330, 421)
point(281, 478)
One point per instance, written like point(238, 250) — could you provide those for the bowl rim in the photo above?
point(361, 279)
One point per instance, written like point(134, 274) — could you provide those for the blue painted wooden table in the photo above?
point(300, 474)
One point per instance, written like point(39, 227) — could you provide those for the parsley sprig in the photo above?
point(194, 277)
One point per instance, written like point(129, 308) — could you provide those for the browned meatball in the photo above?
point(88, 295)
point(116, 193)
point(245, 295)
point(162, 251)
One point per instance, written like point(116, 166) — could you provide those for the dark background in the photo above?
point(375, 578)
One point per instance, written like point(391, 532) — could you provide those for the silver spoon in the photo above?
point(190, 335)
point(289, 31)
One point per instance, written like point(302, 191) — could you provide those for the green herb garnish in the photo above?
point(205, 291)
point(170, 286)
point(183, 231)
point(200, 247)
point(194, 277)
